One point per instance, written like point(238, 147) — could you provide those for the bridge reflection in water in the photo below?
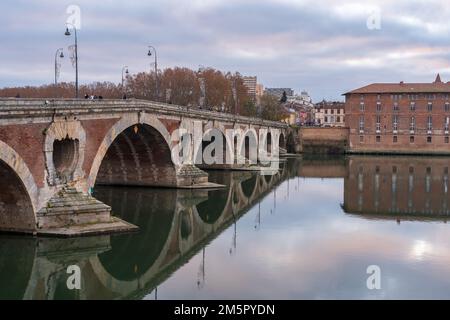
point(175, 225)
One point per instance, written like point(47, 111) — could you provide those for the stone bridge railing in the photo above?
point(12, 108)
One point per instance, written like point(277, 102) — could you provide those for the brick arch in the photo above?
point(147, 124)
point(14, 167)
point(249, 134)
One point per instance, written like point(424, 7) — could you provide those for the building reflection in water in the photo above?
point(397, 187)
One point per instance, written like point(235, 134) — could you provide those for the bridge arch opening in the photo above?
point(16, 208)
point(249, 146)
point(282, 141)
point(185, 225)
point(248, 186)
point(138, 156)
point(269, 143)
point(132, 255)
point(210, 210)
point(290, 143)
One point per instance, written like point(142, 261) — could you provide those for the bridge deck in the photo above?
point(19, 108)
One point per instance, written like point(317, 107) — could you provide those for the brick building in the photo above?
point(399, 117)
point(250, 83)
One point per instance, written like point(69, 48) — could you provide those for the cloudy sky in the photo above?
point(326, 47)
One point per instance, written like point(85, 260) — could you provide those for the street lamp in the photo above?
point(59, 53)
point(150, 48)
point(124, 69)
point(67, 33)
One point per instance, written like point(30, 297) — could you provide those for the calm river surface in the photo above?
point(310, 231)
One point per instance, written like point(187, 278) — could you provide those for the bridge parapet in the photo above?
point(18, 108)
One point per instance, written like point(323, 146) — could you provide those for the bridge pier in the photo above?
point(72, 213)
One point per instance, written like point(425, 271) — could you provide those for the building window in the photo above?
point(378, 123)
point(446, 139)
point(431, 96)
point(429, 123)
point(361, 138)
point(394, 139)
point(326, 111)
point(361, 107)
point(411, 139)
point(428, 139)
point(395, 106)
point(446, 123)
point(378, 138)
point(361, 97)
point(332, 111)
point(447, 107)
point(430, 106)
point(378, 106)
point(338, 119)
point(396, 97)
point(361, 124)
point(412, 106)
point(395, 122)
point(412, 124)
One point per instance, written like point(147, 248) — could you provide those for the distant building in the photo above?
point(399, 117)
point(278, 92)
point(259, 93)
point(329, 114)
point(251, 84)
point(301, 100)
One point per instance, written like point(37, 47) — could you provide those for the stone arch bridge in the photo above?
point(52, 152)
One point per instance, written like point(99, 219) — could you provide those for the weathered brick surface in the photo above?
point(95, 132)
point(28, 141)
point(323, 140)
point(171, 125)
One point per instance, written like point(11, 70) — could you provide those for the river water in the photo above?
point(319, 229)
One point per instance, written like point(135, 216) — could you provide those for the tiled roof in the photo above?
point(435, 87)
point(330, 105)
